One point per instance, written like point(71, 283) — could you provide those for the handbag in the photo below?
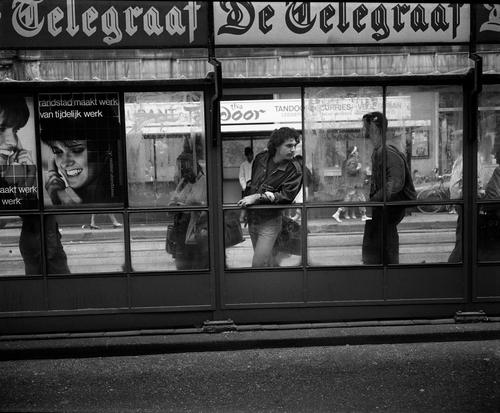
point(289, 239)
point(197, 231)
point(170, 242)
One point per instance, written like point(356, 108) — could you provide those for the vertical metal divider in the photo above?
point(41, 208)
point(469, 188)
point(303, 209)
point(384, 183)
point(126, 220)
point(471, 108)
point(214, 174)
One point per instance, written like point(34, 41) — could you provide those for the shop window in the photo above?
point(168, 241)
point(251, 238)
point(72, 246)
point(81, 151)
point(332, 133)
point(488, 232)
point(165, 148)
point(337, 242)
point(429, 130)
point(488, 151)
point(20, 245)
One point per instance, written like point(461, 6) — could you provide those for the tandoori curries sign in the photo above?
point(102, 24)
point(266, 22)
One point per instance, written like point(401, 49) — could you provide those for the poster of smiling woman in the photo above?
point(80, 152)
point(18, 186)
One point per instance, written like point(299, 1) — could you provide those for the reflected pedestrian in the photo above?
point(398, 187)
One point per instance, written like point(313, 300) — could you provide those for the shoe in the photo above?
point(336, 217)
point(353, 216)
point(84, 226)
point(347, 217)
point(94, 227)
point(365, 218)
point(117, 225)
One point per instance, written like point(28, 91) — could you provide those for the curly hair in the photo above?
point(279, 136)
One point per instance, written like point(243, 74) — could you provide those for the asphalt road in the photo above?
point(426, 377)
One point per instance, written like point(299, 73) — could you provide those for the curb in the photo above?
point(242, 338)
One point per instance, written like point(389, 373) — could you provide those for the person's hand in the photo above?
point(23, 157)
point(248, 200)
point(56, 188)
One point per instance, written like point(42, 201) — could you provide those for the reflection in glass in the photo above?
point(421, 237)
point(162, 129)
point(20, 237)
point(81, 248)
point(148, 241)
point(333, 242)
point(488, 233)
point(187, 240)
point(430, 237)
point(282, 228)
point(333, 141)
point(488, 151)
point(428, 128)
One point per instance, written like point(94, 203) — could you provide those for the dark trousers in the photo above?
point(30, 246)
point(374, 246)
point(456, 254)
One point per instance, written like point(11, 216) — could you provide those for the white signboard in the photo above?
point(261, 23)
point(286, 111)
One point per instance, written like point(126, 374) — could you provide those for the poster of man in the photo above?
point(80, 152)
point(18, 177)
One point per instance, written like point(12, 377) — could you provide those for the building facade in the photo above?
point(123, 126)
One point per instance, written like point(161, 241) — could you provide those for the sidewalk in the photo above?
point(127, 343)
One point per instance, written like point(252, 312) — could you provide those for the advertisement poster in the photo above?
point(80, 134)
point(18, 173)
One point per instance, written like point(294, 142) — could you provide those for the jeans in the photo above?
point(264, 231)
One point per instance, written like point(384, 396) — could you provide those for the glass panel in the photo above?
point(333, 122)
point(427, 124)
point(73, 246)
point(81, 155)
point(266, 238)
point(186, 240)
point(337, 241)
point(162, 130)
point(158, 241)
point(488, 156)
point(20, 245)
point(488, 235)
point(248, 123)
point(148, 245)
point(430, 234)
point(18, 177)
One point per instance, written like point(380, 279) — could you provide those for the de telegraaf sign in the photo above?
point(260, 23)
point(100, 24)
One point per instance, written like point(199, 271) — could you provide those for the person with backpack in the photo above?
point(353, 181)
point(398, 186)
